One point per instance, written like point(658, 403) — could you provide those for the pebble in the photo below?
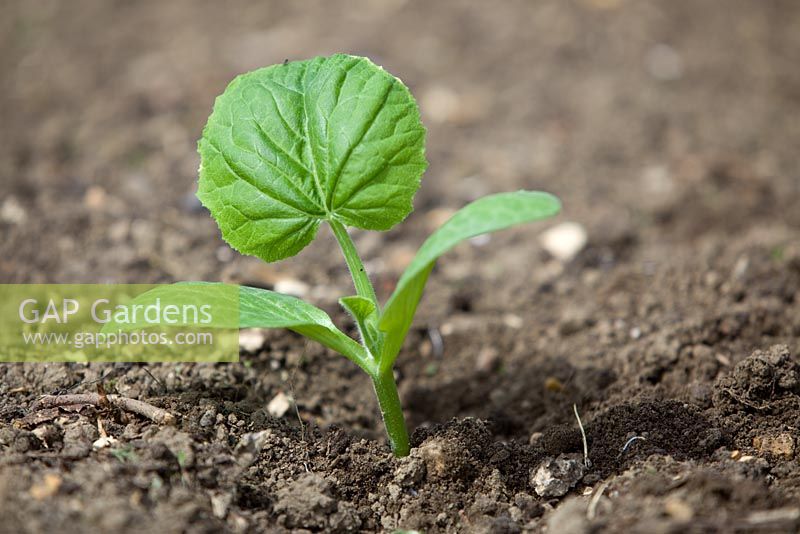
point(291, 286)
point(220, 502)
point(279, 405)
point(251, 339)
point(95, 198)
point(779, 445)
point(208, 418)
point(513, 320)
point(678, 509)
point(564, 241)
point(409, 472)
point(12, 211)
point(47, 488)
point(250, 446)
point(555, 477)
point(436, 457)
point(487, 360)
point(103, 442)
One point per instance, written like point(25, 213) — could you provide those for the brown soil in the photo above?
point(670, 131)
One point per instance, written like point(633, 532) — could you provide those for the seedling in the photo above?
point(334, 140)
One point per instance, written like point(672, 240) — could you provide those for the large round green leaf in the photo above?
point(291, 145)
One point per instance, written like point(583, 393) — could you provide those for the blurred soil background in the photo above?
point(664, 302)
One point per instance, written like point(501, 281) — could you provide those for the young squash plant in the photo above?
point(334, 140)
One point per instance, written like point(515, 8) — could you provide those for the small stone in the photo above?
point(12, 211)
point(555, 477)
point(436, 456)
point(251, 339)
point(95, 197)
point(220, 503)
point(480, 240)
point(250, 446)
point(104, 441)
point(47, 488)
point(290, 286)
point(487, 360)
point(678, 509)
point(535, 438)
point(410, 472)
point(208, 418)
point(394, 490)
point(564, 241)
point(740, 268)
point(513, 320)
point(779, 445)
point(279, 405)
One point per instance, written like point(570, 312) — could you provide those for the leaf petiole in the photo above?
point(360, 279)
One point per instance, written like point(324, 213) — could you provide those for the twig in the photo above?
point(159, 382)
point(437, 344)
point(746, 402)
point(627, 443)
point(155, 414)
point(586, 460)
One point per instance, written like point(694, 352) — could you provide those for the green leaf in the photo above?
point(488, 214)
point(365, 314)
point(247, 307)
point(291, 145)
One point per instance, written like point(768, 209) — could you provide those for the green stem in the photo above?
point(392, 412)
point(383, 380)
point(360, 279)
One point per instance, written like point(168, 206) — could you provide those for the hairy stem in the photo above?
point(360, 279)
point(392, 412)
point(383, 380)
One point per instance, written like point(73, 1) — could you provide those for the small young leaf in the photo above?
point(290, 145)
point(365, 314)
point(248, 307)
point(488, 214)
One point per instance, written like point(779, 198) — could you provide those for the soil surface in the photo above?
point(669, 129)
